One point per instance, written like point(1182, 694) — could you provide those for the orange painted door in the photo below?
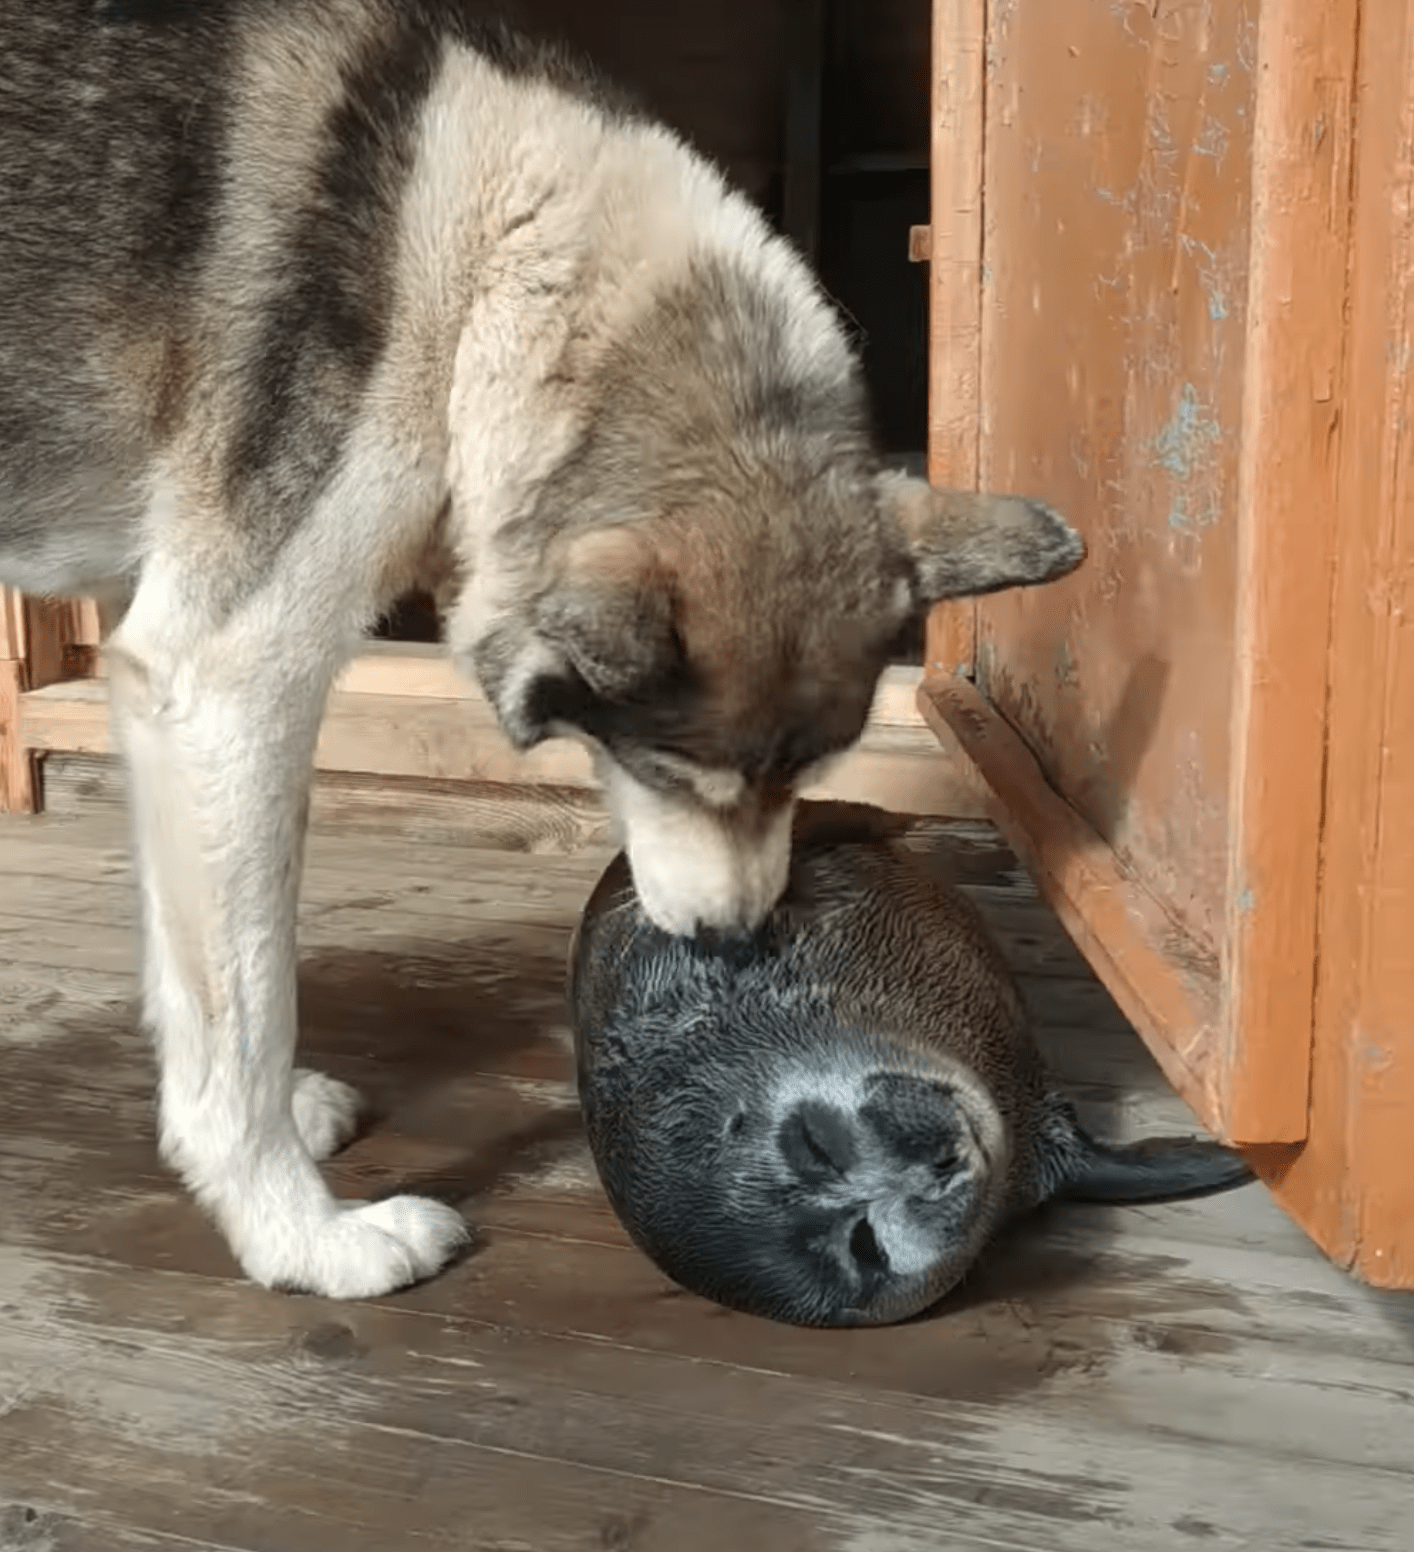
point(1154, 251)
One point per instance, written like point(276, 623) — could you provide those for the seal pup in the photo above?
point(823, 1122)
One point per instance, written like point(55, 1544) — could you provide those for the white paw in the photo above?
point(367, 1250)
point(325, 1110)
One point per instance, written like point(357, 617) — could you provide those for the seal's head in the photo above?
point(766, 1155)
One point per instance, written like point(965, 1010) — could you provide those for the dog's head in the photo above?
point(720, 572)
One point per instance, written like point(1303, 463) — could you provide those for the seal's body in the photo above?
point(825, 1121)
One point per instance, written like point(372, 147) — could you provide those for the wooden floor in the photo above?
point(1190, 1376)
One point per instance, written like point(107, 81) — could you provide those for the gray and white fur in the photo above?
point(825, 1121)
point(304, 303)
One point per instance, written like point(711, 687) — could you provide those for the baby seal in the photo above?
point(825, 1121)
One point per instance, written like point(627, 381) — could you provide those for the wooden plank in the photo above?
point(1352, 1186)
point(406, 668)
point(955, 285)
point(541, 819)
point(23, 1528)
point(144, 1378)
point(1164, 983)
point(62, 637)
point(12, 624)
point(402, 710)
point(1296, 301)
point(422, 670)
point(1114, 329)
point(48, 626)
point(18, 778)
point(551, 1391)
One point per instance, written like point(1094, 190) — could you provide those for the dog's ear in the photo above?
point(610, 612)
point(967, 542)
point(597, 636)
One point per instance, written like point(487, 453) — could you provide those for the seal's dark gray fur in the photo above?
point(825, 1121)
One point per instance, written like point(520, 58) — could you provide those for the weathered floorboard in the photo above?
point(1108, 1379)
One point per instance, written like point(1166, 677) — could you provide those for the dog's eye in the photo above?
point(661, 773)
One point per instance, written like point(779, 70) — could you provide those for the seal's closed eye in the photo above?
point(918, 1120)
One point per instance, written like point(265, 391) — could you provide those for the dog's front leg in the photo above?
point(219, 737)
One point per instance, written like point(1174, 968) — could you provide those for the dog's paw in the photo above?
point(325, 1111)
point(366, 1250)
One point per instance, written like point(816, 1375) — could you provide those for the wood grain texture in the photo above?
point(62, 636)
point(955, 285)
point(1118, 177)
point(18, 781)
point(1164, 982)
point(12, 623)
point(1108, 1379)
point(402, 710)
point(1353, 1185)
point(1292, 406)
point(1168, 198)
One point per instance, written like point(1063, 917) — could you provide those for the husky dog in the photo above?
point(307, 302)
point(825, 1121)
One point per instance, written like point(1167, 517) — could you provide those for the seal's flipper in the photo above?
point(1158, 1169)
point(1072, 1164)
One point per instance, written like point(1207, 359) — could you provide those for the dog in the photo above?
point(305, 303)
point(824, 1122)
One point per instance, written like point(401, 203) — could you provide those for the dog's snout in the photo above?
point(718, 918)
point(697, 869)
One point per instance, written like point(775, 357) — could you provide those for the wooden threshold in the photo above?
point(402, 709)
point(1167, 985)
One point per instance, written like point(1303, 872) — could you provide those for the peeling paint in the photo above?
point(1212, 141)
point(1209, 277)
point(1378, 1058)
point(1246, 902)
point(1182, 447)
point(1065, 670)
point(1186, 449)
point(1247, 45)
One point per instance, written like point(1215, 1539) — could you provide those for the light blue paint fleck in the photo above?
point(1190, 521)
point(1192, 245)
point(1186, 448)
point(1212, 143)
point(1246, 902)
point(1217, 74)
point(1207, 262)
point(1183, 446)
